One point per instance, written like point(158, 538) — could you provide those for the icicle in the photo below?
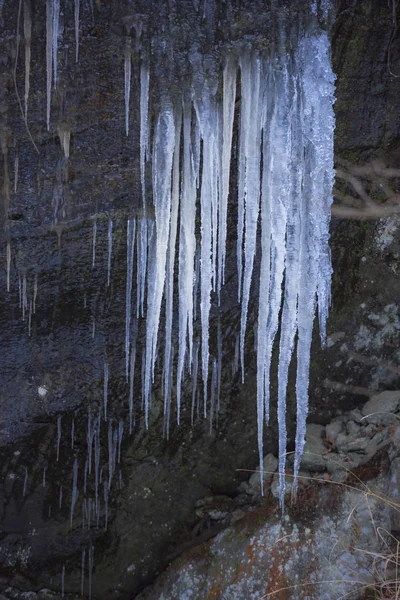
point(44, 477)
point(110, 228)
point(28, 39)
point(105, 390)
point(60, 497)
point(24, 297)
point(132, 374)
point(213, 390)
point(94, 235)
point(229, 96)
point(35, 289)
point(93, 327)
point(120, 435)
point(127, 79)
point(164, 144)
point(16, 171)
point(144, 116)
point(85, 474)
point(97, 465)
point(318, 123)
point(83, 571)
point(76, 30)
point(56, 18)
point(110, 453)
point(64, 133)
point(25, 482)
point(20, 291)
point(187, 248)
point(49, 53)
point(74, 489)
point(106, 506)
point(250, 149)
point(62, 581)
point(8, 265)
point(194, 376)
point(72, 434)
point(91, 564)
point(169, 284)
point(30, 319)
point(130, 245)
point(58, 436)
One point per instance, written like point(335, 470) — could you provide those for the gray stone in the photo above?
point(356, 415)
point(381, 407)
point(315, 449)
point(333, 429)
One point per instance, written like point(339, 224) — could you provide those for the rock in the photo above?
point(270, 466)
point(356, 415)
point(333, 429)
point(314, 449)
point(303, 477)
point(381, 407)
point(352, 428)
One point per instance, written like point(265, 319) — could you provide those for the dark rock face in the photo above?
point(52, 361)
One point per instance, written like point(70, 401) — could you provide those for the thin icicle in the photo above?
point(83, 571)
point(74, 489)
point(72, 434)
point(91, 564)
point(35, 290)
point(49, 53)
point(94, 236)
point(25, 483)
point(194, 377)
point(16, 171)
point(250, 133)
point(130, 249)
point(127, 79)
point(28, 40)
point(229, 96)
point(44, 477)
point(8, 264)
point(106, 372)
point(110, 229)
point(58, 435)
point(56, 23)
point(76, 15)
point(62, 581)
point(132, 374)
point(144, 117)
point(24, 297)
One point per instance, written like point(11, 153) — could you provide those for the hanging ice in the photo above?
point(49, 53)
point(76, 15)
point(144, 111)
point(28, 40)
point(130, 249)
point(127, 79)
point(110, 229)
point(164, 144)
point(284, 164)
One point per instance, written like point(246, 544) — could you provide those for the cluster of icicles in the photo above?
point(285, 176)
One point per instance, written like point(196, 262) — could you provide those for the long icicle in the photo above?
point(28, 40)
point(49, 54)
